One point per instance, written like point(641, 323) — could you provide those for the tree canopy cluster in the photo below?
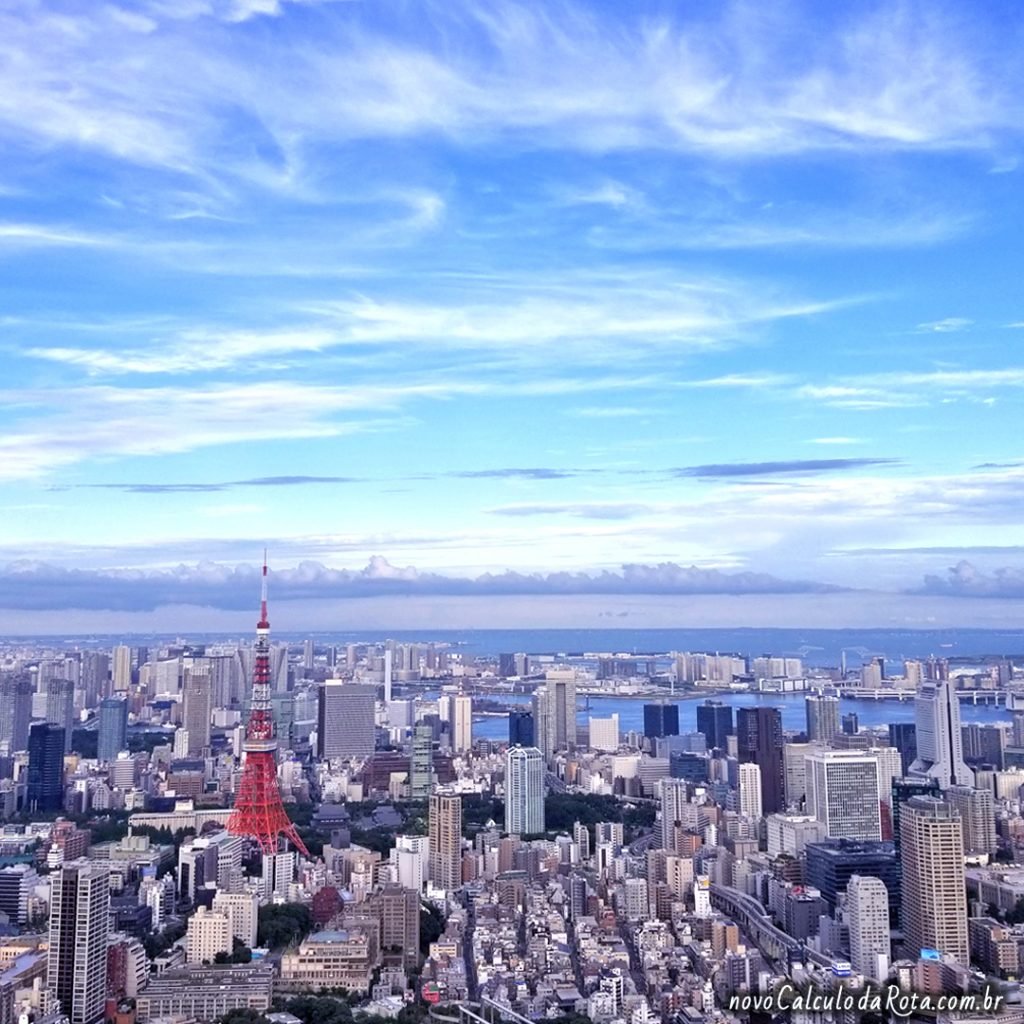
point(283, 924)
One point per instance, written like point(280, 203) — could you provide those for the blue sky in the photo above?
point(462, 308)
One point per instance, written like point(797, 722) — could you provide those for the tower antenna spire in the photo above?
point(259, 811)
point(264, 619)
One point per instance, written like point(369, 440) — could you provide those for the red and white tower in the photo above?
point(259, 812)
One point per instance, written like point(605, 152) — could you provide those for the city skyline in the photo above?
point(602, 314)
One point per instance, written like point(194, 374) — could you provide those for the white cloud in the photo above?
point(98, 422)
point(25, 235)
point(600, 319)
point(946, 326)
point(182, 97)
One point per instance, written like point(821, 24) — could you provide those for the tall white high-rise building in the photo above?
point(675, 808)
point(524, 791)
point(940, 753)
point(842, 793)
point(867, 907)
point(409, 858)
point(890, 766)
point(461, 722)
point(388, 673)
point(604, 734)
point(242, 910)
point(750, 802)
point(278, 875)
point(76, 966)
point(822, 717)
point(209, 933)
point(122, 668)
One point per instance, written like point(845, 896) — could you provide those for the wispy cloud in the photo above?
point(837, 440)
point(215, 486)
point(26, 235)
point(948, 325)
point(108, 421)
point(605, 317)
point(892, 77)
point(787, 467)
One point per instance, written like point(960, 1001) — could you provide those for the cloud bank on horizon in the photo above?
point(574, 303)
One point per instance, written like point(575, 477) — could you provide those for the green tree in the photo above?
point(319, 1010)
point(243, 1017)
point(1016, 914)
point(283, 924)
point(431, 926)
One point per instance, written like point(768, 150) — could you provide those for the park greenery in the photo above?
point(283, 924)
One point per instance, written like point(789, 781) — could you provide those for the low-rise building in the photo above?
point(331, 959)
point(206, 993)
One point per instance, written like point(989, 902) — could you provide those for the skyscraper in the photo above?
point(122, 668)
point(45, 789)
point(903, 736)
point(445, 834)
point(939, 738)
point(934, 897)
point(345, 727)
point(750, 795)
point(977, 811)
point(554, 713)
point(842, 793)
point(539, 712)
point(60, 707)
point(421, 762)
point(674, 811)
point(76, 966)
point(822, 717)
point(604, 733)
point(868, 918)
point(524, 791)
point(461, 722)
point(661, 720)
point(759, 741)
point(16, 699)
point(714, 719)
point(902, 791)
point(400, 921)
point(520, 729)
point(95, 672)
point(831, 863)
point(198, 706)
point(112, 728)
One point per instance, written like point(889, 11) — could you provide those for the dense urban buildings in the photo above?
point(636, 820)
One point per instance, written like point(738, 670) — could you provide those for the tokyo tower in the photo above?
point(259, 812)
